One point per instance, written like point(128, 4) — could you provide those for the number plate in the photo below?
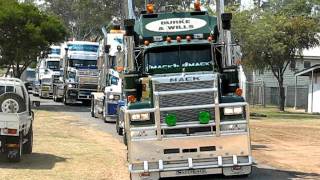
point(191, 172)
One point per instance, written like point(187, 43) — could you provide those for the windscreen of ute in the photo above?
point(175, 58)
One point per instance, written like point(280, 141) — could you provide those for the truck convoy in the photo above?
point(80, 73)
point(183, 114)
point(105, 102)
point(48, 69)
point(16, 118)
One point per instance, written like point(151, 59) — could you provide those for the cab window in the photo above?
point(10, 89)
point(2, 90)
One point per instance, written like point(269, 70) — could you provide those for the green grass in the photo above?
point(290, 114)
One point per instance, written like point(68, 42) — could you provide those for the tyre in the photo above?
point(27, 147)
point(14, 155)
point(12, 103)
point(125, 140)
point(92, 109)
point(65, 102)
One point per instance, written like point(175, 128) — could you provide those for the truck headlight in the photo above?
point(111, 97)
point(71, 85)
point(232, 110)
point(140, 117)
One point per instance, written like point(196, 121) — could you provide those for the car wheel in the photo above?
point(27, 147)
point(14, 155)
point(12, 103)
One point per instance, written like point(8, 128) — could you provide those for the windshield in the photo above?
point(55, 51)
point(82, 47)
point(80, 63)
point(31, 74)
point(176, 58)
point(53, 65)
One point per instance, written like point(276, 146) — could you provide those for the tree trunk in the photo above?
point(282, 94)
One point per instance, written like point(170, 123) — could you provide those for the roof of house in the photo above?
point(308, 71)
point(312, 52)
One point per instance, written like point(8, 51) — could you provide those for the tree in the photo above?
point(84, 18)
point(271, 39)
point(25, 33)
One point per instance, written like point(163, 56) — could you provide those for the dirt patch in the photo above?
point(287, 144)
point(64, 149)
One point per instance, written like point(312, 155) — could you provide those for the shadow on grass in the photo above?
point(260, 174)
point(32, 161)
point(55, 107)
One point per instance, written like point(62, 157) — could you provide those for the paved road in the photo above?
point(260, 171)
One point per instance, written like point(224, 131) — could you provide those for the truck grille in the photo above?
point(88, 86)
point(88, 80)
point(185, 99)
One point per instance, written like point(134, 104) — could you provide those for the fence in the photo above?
point(259, 94)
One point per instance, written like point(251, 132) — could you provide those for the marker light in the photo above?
point(188, 38)
point(171, 119)
point(238, 92)
point(168, 39)
point(204, 117)
point(146, 43)
point(132, 98)
point(197, 5)
point(150, 8)
point(178, 39)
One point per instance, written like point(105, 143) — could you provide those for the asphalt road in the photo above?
point(82, 114)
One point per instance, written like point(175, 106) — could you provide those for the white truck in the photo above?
point(48, 69)
point(105, 102)
point(80, 74)
point(16, 118)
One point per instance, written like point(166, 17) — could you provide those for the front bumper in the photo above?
point(190, 155)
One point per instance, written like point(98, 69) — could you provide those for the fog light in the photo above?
point(204, 117)
point(171, 119)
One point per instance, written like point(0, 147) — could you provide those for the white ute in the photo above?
point(16, 117)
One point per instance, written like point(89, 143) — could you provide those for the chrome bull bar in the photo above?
point(190, 164)
point(159, 126)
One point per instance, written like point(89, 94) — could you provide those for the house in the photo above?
point(313, 73)
point(265, 89)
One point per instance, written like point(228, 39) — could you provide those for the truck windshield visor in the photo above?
point(53, 65)
point(83, 64)
point(179, 58)
point(82, 47)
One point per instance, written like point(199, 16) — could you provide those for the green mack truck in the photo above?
point(183, 113)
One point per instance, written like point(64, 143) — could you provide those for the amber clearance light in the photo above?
point(146, 43)
point(168, 39)
point(197, 5)
point(150, 8)
point(132, 98)
point(238, 92)
point(188, 38)
point(178, 39)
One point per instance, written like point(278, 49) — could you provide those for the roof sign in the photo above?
point(176, 25)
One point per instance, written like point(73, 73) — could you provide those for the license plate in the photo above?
point(191, 172)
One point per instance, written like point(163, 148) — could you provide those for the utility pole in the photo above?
point(224, 35)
